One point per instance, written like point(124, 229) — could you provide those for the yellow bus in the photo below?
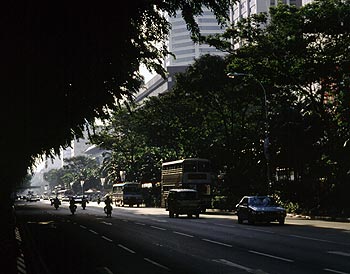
point(128, 193)
point(194, 173)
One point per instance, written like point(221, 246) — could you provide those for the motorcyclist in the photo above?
point(108, 207)
point(72, 205)
point(83, 202)
point(56, 202)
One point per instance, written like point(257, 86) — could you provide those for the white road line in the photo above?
point(225, 262)
point(335, 271)
point(159, 221)
point(106, 223)
point(156, 264)
point(157, 227)
point(225, 225)
point(339, 253)
point(93, 231)
point(139, 223)
point(104, 270)
point(215, 242)
point(107, 239)
point(82, 226)
point(183, 234)
point(271, 256)
point(260, 230)
point(127, 249)
point(313, 239)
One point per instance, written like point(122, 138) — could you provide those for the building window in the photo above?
point(181, 37)
point(185, 51)
point(179, 30)
point(181, 45)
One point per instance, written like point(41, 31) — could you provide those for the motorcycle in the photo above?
point(83, 204)
point(108, 210)
point(57, 204)
point(73, 208)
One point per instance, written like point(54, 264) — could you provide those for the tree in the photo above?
point(74, 63)
point(76, 169)
point(300, 57)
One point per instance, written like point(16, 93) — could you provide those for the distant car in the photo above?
point(33, 198)
point(78, 199)
point(260, 209)
point(183, 201)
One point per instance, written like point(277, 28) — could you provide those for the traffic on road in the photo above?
point(143, 239)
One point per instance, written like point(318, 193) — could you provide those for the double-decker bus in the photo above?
point(127, 193)
point(194, 173)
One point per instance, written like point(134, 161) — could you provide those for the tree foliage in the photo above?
point(303, 67)
point(65, 62)
point(301, 58)
point(75, 170)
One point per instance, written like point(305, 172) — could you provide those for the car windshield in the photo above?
point(262, 201)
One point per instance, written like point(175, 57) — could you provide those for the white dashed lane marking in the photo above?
point(157, 227)
point(218, 243)
point(271, 256)
point(107, 239)
point(183, 234)
point(127, 249)
point(335, 271)
point(93, 231)
point(339, 253)
point(156, 264)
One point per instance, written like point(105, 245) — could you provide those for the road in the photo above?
point(146, 240)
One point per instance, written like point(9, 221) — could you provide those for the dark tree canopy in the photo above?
point(63, 62)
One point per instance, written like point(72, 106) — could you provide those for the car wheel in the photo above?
point(281, 221)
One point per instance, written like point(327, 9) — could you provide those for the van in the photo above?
point(183, 201)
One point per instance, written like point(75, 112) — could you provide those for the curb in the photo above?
point(20, 263)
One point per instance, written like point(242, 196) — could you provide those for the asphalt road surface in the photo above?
point(146, 240)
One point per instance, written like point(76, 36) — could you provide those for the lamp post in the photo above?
point(266, 141)
point(82, 186)
point(102, 181)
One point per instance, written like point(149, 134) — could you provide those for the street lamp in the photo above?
point(102, 181)
point(82, 186)
point(266, 141)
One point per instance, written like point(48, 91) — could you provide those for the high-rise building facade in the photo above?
point(245, 8)
point(180, 43)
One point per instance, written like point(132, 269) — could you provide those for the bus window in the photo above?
point(203, 167)
point(190, 166)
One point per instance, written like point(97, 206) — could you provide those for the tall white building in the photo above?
point(245, 8)
point(180, 42)
point(185, 51)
